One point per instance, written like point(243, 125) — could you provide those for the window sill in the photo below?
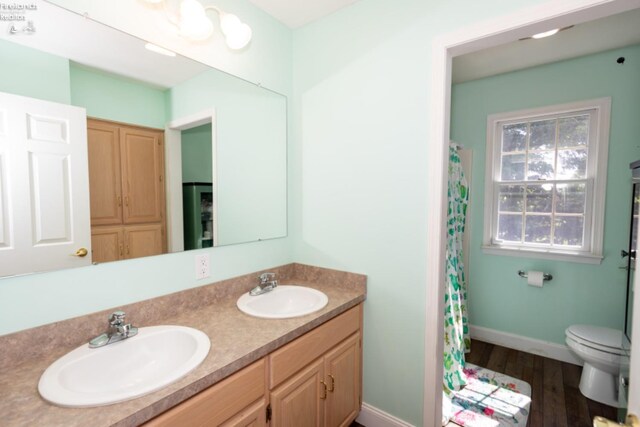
point(580, 257)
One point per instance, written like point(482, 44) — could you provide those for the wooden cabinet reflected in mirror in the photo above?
point(126, 190)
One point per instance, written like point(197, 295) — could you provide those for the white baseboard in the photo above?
point(373, 417)
point(530, 345)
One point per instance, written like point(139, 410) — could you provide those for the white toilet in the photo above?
point(601, 350)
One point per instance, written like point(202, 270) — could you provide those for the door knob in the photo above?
point(82, 252)
point(632, 421)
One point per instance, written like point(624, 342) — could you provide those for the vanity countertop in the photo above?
point(237, 340)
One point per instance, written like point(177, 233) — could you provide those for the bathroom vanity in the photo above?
point(314, 380)
point(308, 365)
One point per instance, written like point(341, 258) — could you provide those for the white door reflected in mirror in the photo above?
point(44, 213)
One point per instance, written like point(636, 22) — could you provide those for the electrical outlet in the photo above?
point(202, 266)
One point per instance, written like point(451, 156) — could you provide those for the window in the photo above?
point(545, 181)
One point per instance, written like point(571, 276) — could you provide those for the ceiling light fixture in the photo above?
point(547, 33)
point(193, 23)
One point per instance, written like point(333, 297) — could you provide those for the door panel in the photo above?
point(45, 219)
point(107, 244)
point(5, 235)
point(342, 375)
point(143, 240)
point(298, 401)
point(50, 202)
point(253, 416)
point(104, 173)
point(142, 169)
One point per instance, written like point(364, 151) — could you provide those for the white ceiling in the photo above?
point(296, 13)
point(591, 37)
point(98, 46)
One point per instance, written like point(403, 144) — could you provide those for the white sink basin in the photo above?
point(283, 302)
point(156, 357)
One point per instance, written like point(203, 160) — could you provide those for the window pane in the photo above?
point(569, 230)
point(511, 198)
point(573, 131)
point(512, 167)
point(539, 198)
point(572, 164)
point(540, 165)
point(510, 227)
point(570, 198)
point(537, 229)
point(543, 135)
point(514, 137)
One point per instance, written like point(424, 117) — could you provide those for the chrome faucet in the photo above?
point(117, 331)
point(268, 283)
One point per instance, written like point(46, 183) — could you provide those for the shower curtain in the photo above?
point(456, 328)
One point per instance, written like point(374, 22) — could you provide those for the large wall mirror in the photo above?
point(111, 150)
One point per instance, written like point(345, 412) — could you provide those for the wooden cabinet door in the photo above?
point(107, 244)
point(298, 402)
point(253, 416)
point(143, 240)
point(142, 175)
point(342, 376)
point(105, 184)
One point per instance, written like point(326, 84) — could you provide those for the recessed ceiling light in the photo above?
point(157, 49)
point(547, 33)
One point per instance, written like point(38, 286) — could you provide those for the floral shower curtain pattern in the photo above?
point(456, 328)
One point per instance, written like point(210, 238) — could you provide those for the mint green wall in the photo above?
point(111, 97)
point(251, 152)
point(578, 293)
point(197, 154)
point(37, 299)
point(361, 103)
point(30, 72)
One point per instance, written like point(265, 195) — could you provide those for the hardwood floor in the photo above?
point(556, 400)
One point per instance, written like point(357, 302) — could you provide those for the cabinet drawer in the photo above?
point(299, 353)
point(220, 402)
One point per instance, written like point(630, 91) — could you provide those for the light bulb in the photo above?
point(194, 23)
point(229, 23)
point(237, 33)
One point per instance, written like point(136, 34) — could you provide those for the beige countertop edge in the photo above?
point(237, 341)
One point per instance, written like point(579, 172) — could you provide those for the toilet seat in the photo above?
point(599, 338)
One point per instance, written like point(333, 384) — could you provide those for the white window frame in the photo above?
point(598, 152)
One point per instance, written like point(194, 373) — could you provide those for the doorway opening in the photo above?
point(500, 31)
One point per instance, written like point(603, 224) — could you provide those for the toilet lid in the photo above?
point(607, 338)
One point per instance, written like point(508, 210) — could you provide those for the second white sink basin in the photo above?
point(156, 357)
point(283, 302)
